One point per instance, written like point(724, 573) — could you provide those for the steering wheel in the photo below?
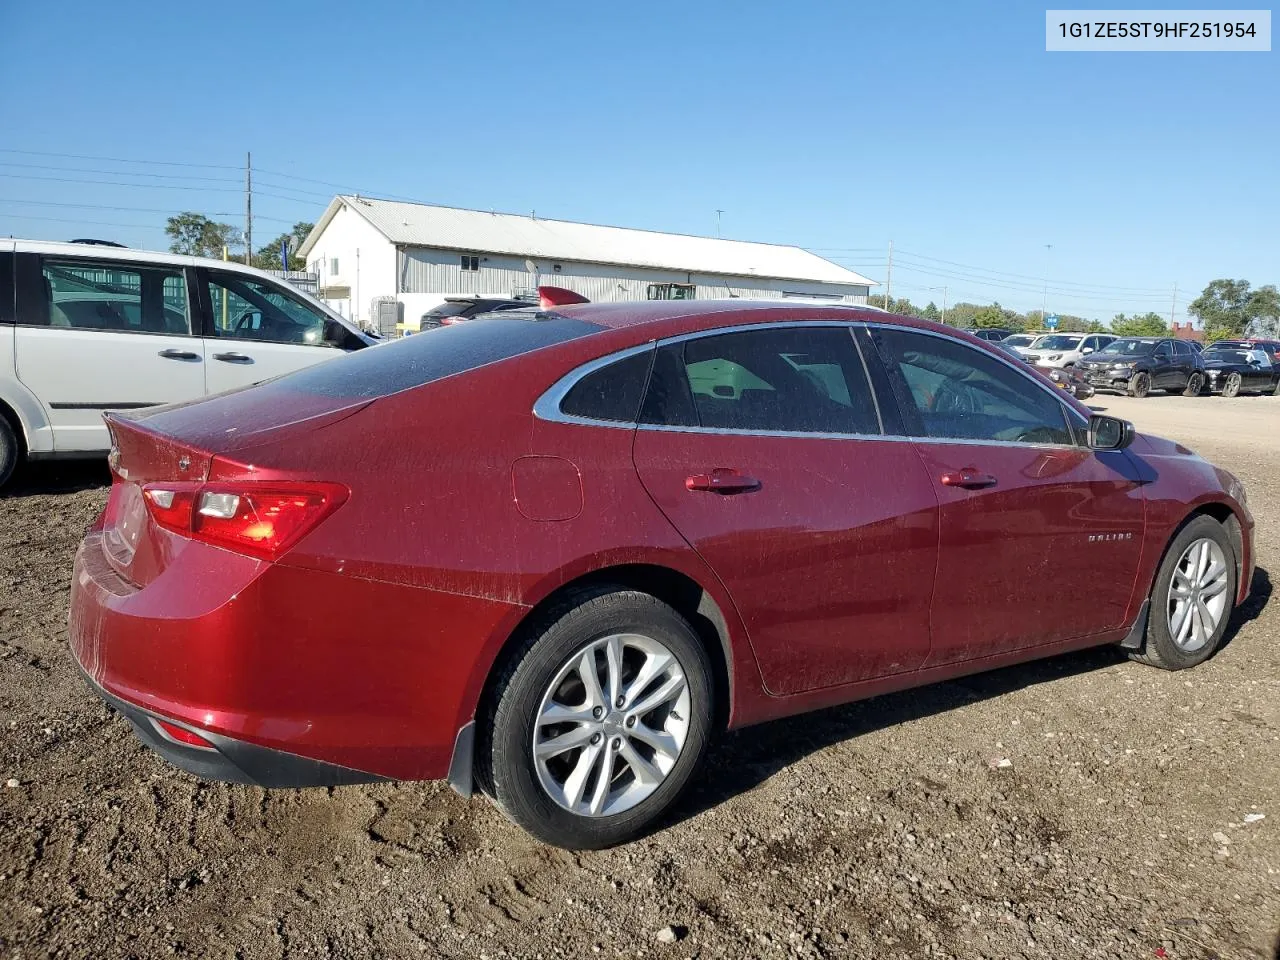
point(1041, 434)
point(243, 321)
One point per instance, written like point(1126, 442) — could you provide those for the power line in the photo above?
point(160, 163)
point(117, 173)
point(1023, 276)
point(102, 206)
point(117, 183)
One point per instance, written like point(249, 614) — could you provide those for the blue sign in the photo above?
point(1051, 322)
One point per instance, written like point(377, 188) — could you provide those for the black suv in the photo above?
point(458, 309)
point(1138, 365)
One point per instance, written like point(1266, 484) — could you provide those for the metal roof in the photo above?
point(450, 228)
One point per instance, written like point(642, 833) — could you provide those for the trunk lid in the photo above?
point(178, 444)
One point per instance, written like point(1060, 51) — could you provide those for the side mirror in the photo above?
point(1109, 433)
point(1087, 350)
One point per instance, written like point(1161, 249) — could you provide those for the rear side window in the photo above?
point(6, 288)
point(121, 297)
point(441, 352)
point(612, 392)
point(776, 380)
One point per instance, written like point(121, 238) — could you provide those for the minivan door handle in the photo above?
point(232, 358)
point(722, 480)
point(172, 354)
point(969, 478)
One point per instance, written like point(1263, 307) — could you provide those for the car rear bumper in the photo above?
point(295, 676)
point(233, 761)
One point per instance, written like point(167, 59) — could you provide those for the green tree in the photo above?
point(268, 257)
point(1139, 325)
point(196, 235)
point(1266, 312)
point(962, 314)
point(993, 316)
point(930, 311)
point(1229, 308)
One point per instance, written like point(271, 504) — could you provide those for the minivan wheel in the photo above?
point(9, 451)
point(1140, 385)
point(1232, 387)
point(1192, 598)
point(599, 721)
point(1195, 384)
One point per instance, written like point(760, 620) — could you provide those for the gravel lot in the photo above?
point(1127, 821)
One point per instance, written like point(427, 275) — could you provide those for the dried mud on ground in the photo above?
point(1125, 822)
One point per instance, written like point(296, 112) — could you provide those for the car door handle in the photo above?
point(722, 480)
point(172, 354)
point(232, 358)
point(969, 478)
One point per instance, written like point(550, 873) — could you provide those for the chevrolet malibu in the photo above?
point(550, 555)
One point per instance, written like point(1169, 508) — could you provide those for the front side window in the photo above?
point(118, 297)
point(245, 308)
point(771, 380)
point(951, 391)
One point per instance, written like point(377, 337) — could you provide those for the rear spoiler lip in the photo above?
point(558, 297)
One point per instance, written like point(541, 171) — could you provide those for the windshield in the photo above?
point(1017, 340)
point(1057, 342)
point(1128, 348)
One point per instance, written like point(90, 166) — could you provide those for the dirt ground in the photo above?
point(1126, 825)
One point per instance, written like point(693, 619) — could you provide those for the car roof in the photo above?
point(101, 251)
point(654, 319)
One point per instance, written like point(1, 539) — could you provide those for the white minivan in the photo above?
point(86, 328)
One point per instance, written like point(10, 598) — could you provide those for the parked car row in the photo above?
point(1139, 365)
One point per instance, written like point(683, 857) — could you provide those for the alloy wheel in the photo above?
point(1198, 595)
point(1232, 386)
point(611, 725)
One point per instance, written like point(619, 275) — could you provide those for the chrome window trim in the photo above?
point(547, 406)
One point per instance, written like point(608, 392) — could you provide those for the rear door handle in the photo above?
point(969, 478)
point(172, 354)
point(722, 480)
point(232, 358)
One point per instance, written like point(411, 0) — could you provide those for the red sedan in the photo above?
point(554, 553)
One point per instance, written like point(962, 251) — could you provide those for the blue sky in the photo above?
point(945, 127)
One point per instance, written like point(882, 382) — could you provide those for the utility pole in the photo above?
point(1173, 306)
point(248, 209)
point(718, 212)
point(888, 282)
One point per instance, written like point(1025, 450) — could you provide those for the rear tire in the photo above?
point(1232, 387)
point(1195, 385)
point(1140, 385)
point(564, 796)
point(1181, 627)
point(10, 452)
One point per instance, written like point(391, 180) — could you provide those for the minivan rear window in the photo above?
point(389, 368)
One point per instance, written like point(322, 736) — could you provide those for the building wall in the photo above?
point(428, 275)
point(366, 264)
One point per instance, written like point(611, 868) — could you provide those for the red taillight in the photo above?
point(258, 519)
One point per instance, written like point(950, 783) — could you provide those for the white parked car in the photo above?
point(1020, 341)
point(1065, 349)
point(86, 328)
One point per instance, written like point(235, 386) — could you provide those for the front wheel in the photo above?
point(1140, 385)
point(1192, 598)
point(1232, 387)
point(599, 721)
point(1195, 384)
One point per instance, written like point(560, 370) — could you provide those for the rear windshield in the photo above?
point(389, 368)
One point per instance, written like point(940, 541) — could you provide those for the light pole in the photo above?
point(944, 302)
point(1044, 300)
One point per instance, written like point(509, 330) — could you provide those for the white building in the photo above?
point(369, 250)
